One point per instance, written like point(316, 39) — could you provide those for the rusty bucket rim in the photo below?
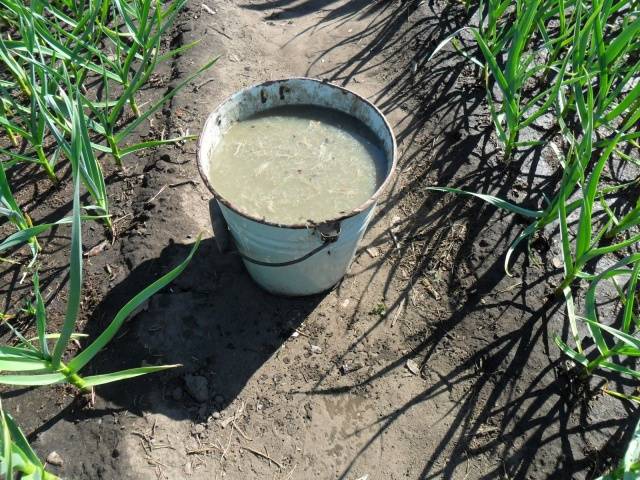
point(353, 212)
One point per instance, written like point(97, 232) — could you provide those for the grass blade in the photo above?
point(95, 380)
point(105, 337)
point(495, 201)
point(32, 380)
point(75, 262)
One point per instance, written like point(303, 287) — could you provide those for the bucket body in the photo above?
point(297, 259)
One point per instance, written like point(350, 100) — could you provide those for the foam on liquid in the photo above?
point(297, 164)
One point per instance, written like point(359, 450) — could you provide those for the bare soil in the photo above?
point(432, 363)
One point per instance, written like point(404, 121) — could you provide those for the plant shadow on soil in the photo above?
point(213, 319)
point(521, 402)
point(516, 399)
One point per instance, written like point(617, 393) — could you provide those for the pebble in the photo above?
point(54, 458)
point(216, 415)
point(316, 349)
point(308, 411)
point(349, 367)
point(373, 252)
point(198, 387)
point(413, 367)
point(199, 428)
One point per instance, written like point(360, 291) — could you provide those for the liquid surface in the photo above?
point(297, 164)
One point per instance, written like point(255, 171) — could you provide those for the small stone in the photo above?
point(345, 303)
point(177, 393)
point(413, 367)
point(188, 468)
point(348, 367)
point(373, 252)
point(259, 407)
point(199, 428)
point(316, 349)
point(198, 387)
point(557, 262)
point(216, 415)
point(54, 458)
point(295, 335)
point(308, 411)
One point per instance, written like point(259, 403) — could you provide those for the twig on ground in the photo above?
point(118, 220)
point(156, 195)
point(206, 449)
point(186, 182)
point(517, 284)
point(202, 84)
point(263, 455)
point(221, 33)
point(207, 9)
point(288, 477)
point(398, 311)
point(233, 424)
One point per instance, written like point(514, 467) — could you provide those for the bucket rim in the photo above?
point(351, 213)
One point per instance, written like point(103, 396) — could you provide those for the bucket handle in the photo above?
point(329, 233)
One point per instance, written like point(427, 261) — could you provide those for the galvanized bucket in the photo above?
point(303, 259)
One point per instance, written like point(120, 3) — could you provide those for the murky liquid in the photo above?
point(297, 164)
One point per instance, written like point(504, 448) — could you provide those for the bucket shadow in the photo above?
point(213, 320)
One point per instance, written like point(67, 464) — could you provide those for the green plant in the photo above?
point(584, 59)
point(16, 455)
point(625, 342)
point(115, 41)
point(10, 209)
point(32, 362)
point(108, 115)
point(629, 466)
point(79, 149)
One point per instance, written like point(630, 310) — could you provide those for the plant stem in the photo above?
point(568, 280)
point(115, 151)
point(134, 107)
point(73, 378)
point(33, 240)
point(46, 165)
point(12, 136)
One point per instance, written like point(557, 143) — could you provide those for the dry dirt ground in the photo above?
point(432, 363)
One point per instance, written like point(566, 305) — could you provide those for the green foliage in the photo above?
point(629, 467)
point(17, 458)
point(68, 65)
point(70, 74)
point(580, 63)
point(33, 362)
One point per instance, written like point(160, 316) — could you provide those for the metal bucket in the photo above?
point(302, 259)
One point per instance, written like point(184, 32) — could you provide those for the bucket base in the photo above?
point(280, 294)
